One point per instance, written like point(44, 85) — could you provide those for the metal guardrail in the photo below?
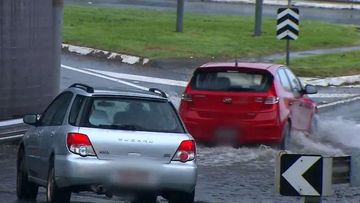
point(341, 170)
point(12, 132)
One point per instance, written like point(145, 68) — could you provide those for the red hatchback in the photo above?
point(246, 103)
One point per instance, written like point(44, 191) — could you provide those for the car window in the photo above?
point(229, 80)
point(131, 114)
point(55, 113)
point(75, 109)
point(294, 81)
point(284, 80)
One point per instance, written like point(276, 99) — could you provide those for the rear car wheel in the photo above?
point(53, 193)
point(25, 189)
point(314, 128)
point(286, 137)
point(182, 197)
point(149, 198)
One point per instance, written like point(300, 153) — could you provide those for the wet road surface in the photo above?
point(226, 174)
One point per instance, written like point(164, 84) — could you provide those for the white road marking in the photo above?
point(11, 122)
point(141, 78)
point(117, 77)
point(339, 102)
point(105, 77)
point(335, 95)
point(11, 137)
point(164, 81)
point(111, 77)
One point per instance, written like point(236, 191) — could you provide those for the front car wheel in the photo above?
point(25, 190)
point(286, 137)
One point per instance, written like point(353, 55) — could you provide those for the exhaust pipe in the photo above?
point(99, 189)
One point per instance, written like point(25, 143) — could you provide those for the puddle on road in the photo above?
point(334, 137)
point(226, 156)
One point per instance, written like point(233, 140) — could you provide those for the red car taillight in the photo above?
point(80, 144)
point(271, 100)
point(186, 151)
point(186, 97)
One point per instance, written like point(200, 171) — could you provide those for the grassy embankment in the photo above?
point(151, 34)
point(328, 65)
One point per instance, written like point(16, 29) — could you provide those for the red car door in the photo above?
point(301, 109)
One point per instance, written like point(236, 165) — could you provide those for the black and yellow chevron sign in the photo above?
point(288, 23)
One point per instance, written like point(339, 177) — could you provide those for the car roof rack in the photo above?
point(158, 91)
point(87, 88)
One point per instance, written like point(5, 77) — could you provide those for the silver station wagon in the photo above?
point(128, 144)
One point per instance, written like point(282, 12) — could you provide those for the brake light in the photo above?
point(186, 151)
point(186, 97)
point(271, 100)
point(80, 144)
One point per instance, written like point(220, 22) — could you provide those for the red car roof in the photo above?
point(263, 66)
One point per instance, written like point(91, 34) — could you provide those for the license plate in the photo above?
point(134, 177)
point(226, 135)
point(227, 132)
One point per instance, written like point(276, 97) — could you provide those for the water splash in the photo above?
point(225, 156)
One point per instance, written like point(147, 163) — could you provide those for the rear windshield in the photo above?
point(131, 114)
point(228, 80)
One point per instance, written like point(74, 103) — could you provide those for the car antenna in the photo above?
point(236, 62)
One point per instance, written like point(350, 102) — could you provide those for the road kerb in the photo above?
point(87, 51)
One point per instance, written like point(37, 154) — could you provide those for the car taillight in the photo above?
point(186, 97)
point(271, 100)
point(80, 144)
point(186, 151)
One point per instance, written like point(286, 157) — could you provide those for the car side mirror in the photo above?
point(31, 119)
point(310, 89)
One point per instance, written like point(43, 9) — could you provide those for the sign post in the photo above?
point(258, 17)
point(180, 15)
point(288, 43)
point(288, 27)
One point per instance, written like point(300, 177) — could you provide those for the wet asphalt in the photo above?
point(225, 174)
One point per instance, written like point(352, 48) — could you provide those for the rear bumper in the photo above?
point(251, 131)
point(72, 170)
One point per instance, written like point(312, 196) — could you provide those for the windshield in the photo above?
point(131, 114)
point(229, 80)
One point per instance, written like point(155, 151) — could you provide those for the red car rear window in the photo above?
point(231, 80)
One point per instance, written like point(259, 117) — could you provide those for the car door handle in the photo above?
point(200, 96)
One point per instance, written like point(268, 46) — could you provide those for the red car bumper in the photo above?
point(265, 129)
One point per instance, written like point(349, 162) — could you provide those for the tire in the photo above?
point(314, 128)
point(286, 137)
point(25, 190)
point(182, 197)
point(53, 193)
point(149, 198)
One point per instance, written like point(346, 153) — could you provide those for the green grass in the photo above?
point(347, 63)
point(151, 34)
